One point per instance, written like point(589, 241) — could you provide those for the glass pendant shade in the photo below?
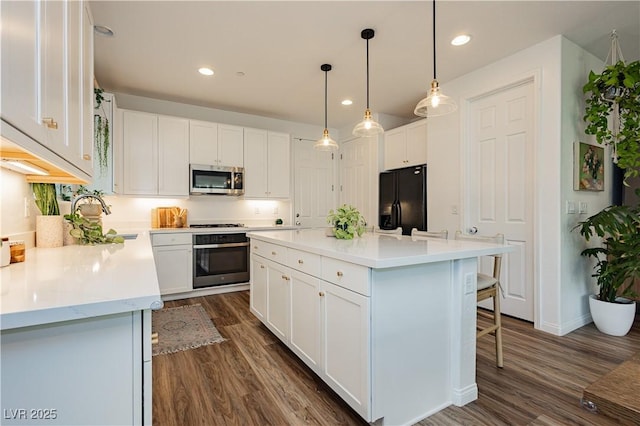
point(435, 104)
point(367, 127)
point(325, 143)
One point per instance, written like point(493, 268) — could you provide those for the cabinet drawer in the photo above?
point(304, 261)
point(347, 275)
point(171, 239)
point(270, 251)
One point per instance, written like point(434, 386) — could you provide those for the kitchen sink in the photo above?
point(128, 236)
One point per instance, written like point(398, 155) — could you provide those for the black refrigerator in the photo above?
point(403, 199)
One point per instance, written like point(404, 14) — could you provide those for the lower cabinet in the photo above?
point(90, 371)
point(173, 256)
point(326, 325)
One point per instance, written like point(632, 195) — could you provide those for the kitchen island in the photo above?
point(388, 322)
point(76, 334)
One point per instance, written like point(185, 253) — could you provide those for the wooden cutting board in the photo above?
point(165, 217)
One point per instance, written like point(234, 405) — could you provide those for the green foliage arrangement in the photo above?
point(347, 222)
point(618, 258)
point(46, 198)
point(101, 131)
point(88, 232)
point(618, 86)
point(84, 190)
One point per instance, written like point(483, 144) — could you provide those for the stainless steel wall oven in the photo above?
point(220, 259)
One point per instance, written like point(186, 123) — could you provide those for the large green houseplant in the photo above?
point(616, 91)
point(49, 229)
point(347, 222)
point(617, 264)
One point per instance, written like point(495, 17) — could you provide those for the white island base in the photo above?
point(389, 323)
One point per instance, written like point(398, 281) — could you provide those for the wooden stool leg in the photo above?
point(498, 322)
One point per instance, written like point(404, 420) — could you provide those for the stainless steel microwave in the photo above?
point(219, 180)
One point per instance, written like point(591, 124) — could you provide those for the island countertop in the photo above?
point(379, 250)
point(78, 281)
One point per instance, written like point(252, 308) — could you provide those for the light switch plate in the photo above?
point(582, 207)
point(571, 207)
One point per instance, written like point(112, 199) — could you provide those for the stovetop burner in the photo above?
point(217, 225)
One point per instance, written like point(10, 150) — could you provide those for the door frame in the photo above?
point(533, 77)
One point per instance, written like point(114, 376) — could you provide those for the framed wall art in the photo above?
point(588, 167)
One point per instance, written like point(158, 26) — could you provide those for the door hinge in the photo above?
point(332, 155)
point(340, 188)
point(341, 156)
point(332, 188)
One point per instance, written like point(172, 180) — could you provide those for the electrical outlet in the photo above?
point(454, 209)
point(469, 286)
point(257, 211)
point(582, 207)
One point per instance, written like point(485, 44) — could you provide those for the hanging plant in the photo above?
point(615, 95)
point(101, 131)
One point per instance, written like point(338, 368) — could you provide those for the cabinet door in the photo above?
point(278, 292)
point(279, 165)
point(230, 145)
point(346, 337)
point(395, 151)
point(417, 143)
point(88, 110)
point(255, 160)
point(258, 294)
point(21, 66)
point(174, 265)
point(203, 143)
point(75, 91)
point(173, 156)
point(54, 81)
point(140, 153)
point(306, 327)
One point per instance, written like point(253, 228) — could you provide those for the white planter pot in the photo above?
point(614, 319)
point(49, 231)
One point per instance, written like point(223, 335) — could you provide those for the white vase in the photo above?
point(614, 319)
point(49, 231)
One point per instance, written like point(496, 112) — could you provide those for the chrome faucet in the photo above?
point(74, 203)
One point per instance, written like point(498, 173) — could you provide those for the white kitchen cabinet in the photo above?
point(47, 60)
point(86, 371)
point(267, 164)
point(155, 152)
point(173, 256)
point(406, 145)
point(216, 144)
point(258, 290)
point(278, 293)
point(327, 325)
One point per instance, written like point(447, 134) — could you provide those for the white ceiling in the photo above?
point(279, 46)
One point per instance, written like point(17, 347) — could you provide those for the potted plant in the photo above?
point(90, 209)
point(101, 131)
point(90, 232)
point(616, 90)
point(49, 231)
point(347, 222)
point(617, 266)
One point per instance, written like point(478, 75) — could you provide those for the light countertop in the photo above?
point(78, 281)
point(379, 250)
point(247, 228)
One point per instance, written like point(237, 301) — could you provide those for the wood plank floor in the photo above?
point(253, 379)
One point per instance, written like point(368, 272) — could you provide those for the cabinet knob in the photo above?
point(273, 253)
point(261, 266)
point(300, 261)
point(321, 294)
point(339, 273)
point(48, 121)
point(86, 157)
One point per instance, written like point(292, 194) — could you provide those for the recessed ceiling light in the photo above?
point(461, 39)
point(103, 31)
point(205, 71)
point(347, 102)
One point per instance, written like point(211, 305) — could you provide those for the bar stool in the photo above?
point(489, 286)
point(419, 235)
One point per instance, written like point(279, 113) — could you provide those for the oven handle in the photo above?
point(206, 246)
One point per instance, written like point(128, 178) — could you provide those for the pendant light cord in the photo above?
point(367, 73)
point(434, 39)
point(326, 73)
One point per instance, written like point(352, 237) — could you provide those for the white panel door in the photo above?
point(500, 186)
point(173, 156)
point(356, 177)
point(314, 185)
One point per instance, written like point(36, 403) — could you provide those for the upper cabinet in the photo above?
point(215, 144)
point(47, 81)
point(406, 145)
point(267, 164)
point(155, 154)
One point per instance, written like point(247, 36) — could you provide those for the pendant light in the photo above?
point(436, 103)
point(325, 143)
point(368, 126)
